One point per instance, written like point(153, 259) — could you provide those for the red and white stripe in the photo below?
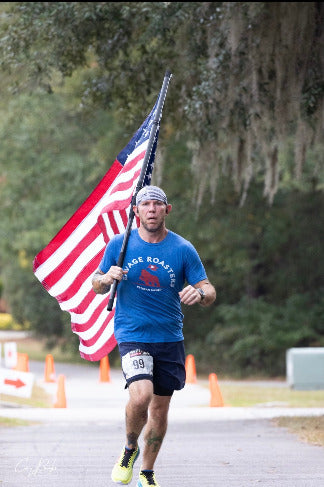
point(66, 265)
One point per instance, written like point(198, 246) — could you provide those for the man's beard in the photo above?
point(152, 230)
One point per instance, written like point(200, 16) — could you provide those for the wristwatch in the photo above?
point(202, 293)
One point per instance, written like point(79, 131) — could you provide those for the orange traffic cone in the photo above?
point(104, 370)
point(61, 398)
point(191, 376)
point(216, 398)
point(22, 362)
point(49, 375)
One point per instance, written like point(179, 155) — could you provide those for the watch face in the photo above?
point(202, 293)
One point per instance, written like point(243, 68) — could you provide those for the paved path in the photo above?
point(215, 447)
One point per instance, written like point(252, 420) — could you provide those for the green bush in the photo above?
point(8, 323)
point(251, 337)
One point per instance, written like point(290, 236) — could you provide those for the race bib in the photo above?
point(137, 362)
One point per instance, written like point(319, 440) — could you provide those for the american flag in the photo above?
point(66, 265)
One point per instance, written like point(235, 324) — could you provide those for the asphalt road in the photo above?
point(216, 447)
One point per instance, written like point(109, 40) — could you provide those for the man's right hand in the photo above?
point(101, 282)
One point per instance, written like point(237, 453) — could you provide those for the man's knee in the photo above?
point(159, 408)
point(140, 394)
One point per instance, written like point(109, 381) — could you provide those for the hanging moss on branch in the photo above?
point(261, 85)
point(248, 77)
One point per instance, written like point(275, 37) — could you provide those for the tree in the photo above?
point(248, 76)
point(50, 161)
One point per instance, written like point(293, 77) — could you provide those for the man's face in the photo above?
point(152, 214)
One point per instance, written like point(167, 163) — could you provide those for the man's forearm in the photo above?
point(99, 284)
point(210, 294)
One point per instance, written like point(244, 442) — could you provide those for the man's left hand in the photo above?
point(190, 295)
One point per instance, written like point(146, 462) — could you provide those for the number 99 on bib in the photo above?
point(137, 362)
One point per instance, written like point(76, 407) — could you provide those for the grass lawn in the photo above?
point(39, 399)
point(11, 422)
point(310, 429)
point(238, 394)
point(37, 350)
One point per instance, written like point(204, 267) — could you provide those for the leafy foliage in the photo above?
point(266, 263)
point(253, 336)
point(247, 76)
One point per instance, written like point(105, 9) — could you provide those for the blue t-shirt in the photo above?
point(148, 307)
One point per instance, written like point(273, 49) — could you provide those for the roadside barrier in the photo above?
point(216, 398)
point(104, 370)
point(22, 362)
point(49, 374)
point(61, 397)
point(191, 375)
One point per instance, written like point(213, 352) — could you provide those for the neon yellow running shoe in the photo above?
point(122, 472)
point(147, 479)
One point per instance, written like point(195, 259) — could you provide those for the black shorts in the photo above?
point(162, 363)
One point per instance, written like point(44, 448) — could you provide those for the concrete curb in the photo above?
point(176, 414)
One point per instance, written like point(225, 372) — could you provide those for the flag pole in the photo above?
point(155, 126)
